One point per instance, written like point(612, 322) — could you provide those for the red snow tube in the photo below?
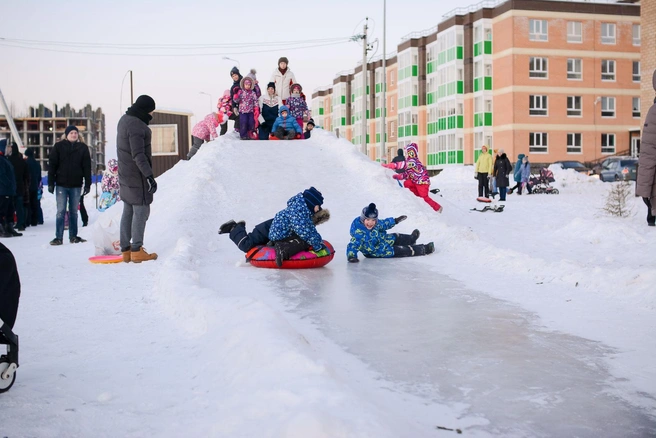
point(265, 257)
point(273, 137)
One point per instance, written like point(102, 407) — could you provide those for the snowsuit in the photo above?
point(517, 176)
point(269, 109)
point(224, 107)
point(203, 131)
point(524, 175)
point(246, 241)
point(502, 169)
point(285, 127)
point(248, 101)
point(109, 186)
point(297, 108)
point(296, 219)
point(415, 175)
point(483, 169)
point(234, 89)
point(376, 243)
point(646, 180)
point(283, 81)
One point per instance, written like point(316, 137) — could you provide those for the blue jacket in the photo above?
point(288, 122)
point(371, 243)
point(296, 219)
point(7, 177)
point(525, 172)
point(35, 170)
point(516, 174)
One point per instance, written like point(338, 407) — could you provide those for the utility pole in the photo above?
point(383, 123)
point(364, 87)
point(131, 90)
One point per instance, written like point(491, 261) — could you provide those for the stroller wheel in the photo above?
point(555, 191)
point(7, 374)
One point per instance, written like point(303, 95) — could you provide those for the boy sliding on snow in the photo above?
point(248, 99)
point(369, 236)
point(285, 126)
point(205, 130)
point(415, 175)
point(292, 230)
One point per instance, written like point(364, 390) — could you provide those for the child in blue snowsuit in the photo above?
point(369, 236)
point(285, 126)
point(291, 231)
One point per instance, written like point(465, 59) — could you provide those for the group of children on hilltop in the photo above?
point(293, 230)
point(257, 115)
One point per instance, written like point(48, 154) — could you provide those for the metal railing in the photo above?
point(420, 34)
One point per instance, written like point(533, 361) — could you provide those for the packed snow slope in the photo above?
point(199, 344)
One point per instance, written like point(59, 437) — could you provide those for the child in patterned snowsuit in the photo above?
point(224, 108)
point(248, 98)
point(415, 175)
point(298, 108)
point(292, 230)
point(109, 186)
point(203, 131)
point(369, 236)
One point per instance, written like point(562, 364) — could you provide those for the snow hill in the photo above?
point(198, 344)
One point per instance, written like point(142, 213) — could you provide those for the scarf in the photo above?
point(283, 72)
point(139, 114)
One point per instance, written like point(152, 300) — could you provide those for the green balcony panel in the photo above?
point(461, 122)
point(429, 68)
point(477, 49)
point(488, 82)
point(429, 99)
point(368, 114)
point(408, 131)
point(400, 131)
point(477, 85)
point(442, 158)
point(343, 99)
point(415, 70)
point(460, 52)
point(408, 101)
point(377, 112)
point(476, 154)
point(352, 120)
point(415, 100)
point(368, 91)
point(488, 119)
point(460, 157)
point(321, 111)
point(415, 129)
point(429, 129)
point(377, 138)
point(367, 138)
point(461, 87)
point(343, 121)
point(488, 47)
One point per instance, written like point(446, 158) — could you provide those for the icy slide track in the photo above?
point(199, 344)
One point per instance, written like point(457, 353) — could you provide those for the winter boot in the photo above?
point(141, 256)
point(415, 236)
point(9, 228)
point(3, 232)
point(288, 248)
point(429, 248)
point(77, 239)
point(126, 256)
point(291, 135)
point(56, 242)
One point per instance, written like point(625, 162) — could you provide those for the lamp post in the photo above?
point(383, 123)
point(230, 59)
point(208, 95)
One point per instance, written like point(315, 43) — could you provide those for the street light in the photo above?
point(230, 59)
point(383, 121)
point(210, 96)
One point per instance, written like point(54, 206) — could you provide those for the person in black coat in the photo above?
point(10, 287)
point(22, 175)
point(35, 179)
point(69, 169)
point(236, 81)
point(7, 193)
point(502, 170)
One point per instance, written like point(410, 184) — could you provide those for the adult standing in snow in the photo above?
point(646, 181)
point(35, 178)
point(234, 115)
point(135, 177)
point(483, 171)
point(517, 175)
point(22, 175)
point(283, 77)
point(7, 193)
point(502, 169)
point(69, 164)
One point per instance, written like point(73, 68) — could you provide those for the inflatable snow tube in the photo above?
point(106, 259)
point(273, 137)
point(482, 199)
point(265, 257)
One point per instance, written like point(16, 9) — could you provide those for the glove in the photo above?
point(86, 191)
point(353, 260)
point(152, 184)
point(51, 189)
point(389, 165)
point(400, 219)
point(397, 176)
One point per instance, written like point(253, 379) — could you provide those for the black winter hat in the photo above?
point(145, 103)
point(271, 85)
point(312, 197)
point(70, 128)
point(283, 59)
point(369, 212)
point(311, 122)
point(399, 152)
point(29, 152)
point(235, 71)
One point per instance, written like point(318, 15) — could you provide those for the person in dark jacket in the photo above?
point(501, 171)
point(308, 129)
point(10, 286)
point(35, 179)
point(135, 177)
point(7, 193)
point(399, 157)
point(269, 105)
point(69, 166)
point(646, 179)
point(22, 175)
point(517, 175)
point(236, 81)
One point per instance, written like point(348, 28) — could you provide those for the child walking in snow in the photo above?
point(297, 106)
point(248, 99)
point(369, 236)
point(291, 231)
point(414, 174)
point(205, 130)
point(285, 126)
point(525, 175)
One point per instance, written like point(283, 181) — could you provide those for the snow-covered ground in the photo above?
point(537, 321)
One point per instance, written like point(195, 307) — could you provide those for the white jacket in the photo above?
point(283, 82)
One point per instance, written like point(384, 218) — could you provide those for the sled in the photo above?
point(265, 257)
point(494, 208)
point(482, 199)
point(106, 259)
point(273, 137)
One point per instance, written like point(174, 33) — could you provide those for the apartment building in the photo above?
point(556, 80)
point(321, 108)
point(42, 127)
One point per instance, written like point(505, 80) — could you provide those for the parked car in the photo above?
point(620, 170)
point(599, 167)
point(575, 165)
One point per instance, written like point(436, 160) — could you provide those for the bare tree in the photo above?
point(616, 200)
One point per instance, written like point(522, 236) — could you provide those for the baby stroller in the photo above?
point(541, 183)
point(9, 295)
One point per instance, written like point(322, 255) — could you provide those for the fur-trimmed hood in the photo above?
point(321, 217)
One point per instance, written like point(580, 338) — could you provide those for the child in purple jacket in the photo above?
point(298, 108)
point(248, 99)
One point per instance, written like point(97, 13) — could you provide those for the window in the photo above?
point(537, 142)
point(488, 105)
point(477, 34)
point(607, 107)
point(164, 139)
point(574, 32)
point(607, 33)
point(574, 106)
point(607, 143)
point(575, 69)
point(574, 143)
point(636, 107)
point(537, 68)
point(537, 105)
point(392, 76)
point(488, 69)
point(636, 34)
point(636, 71)
point(488, 34)
point(607, 70)
point(538, 30)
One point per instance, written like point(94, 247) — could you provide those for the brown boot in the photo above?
point(126, 256)
point(142, 256)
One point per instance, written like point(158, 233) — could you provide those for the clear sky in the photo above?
point(29, 77)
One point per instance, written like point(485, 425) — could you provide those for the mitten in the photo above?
point(389, 165)
point(152, 184)
point(397, 176)
point(51, 188)
point(353, 260)
point(400, 219)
